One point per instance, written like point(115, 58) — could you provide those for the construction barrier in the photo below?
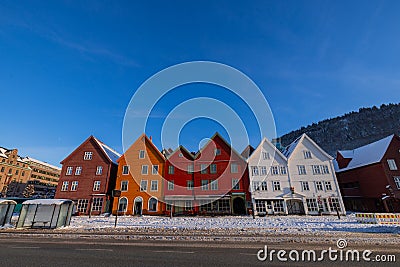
point(378, 218)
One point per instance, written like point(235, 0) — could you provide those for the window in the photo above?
point(99, 170)
point(190, 168)
point(180, 155)
point(78, 170)
point(143, 185)
point(307, 154)
point(97, 204)
point(312, 204)
point(64, 186)
point(260, 206)
point(88, 156)
point(254, 170)
point(153, 204)
point(124, 185)
point(328, 186)
point(170, 185)
point(263, 170)
point(334, 204)
point(171, 169)
point(125, 169)
point(214, 185)
point(392, 164)
point(189, 185)
point(74, 186)
point(276, 185)
point(256, 186)
point(397, 181)
point(213, 168)
point(235, 184)
point(316, 169)
point(274, 170)
point(82, 205)
point(203, 168)
point(318, 185)
point(188, 205)
point(69, 170)
point(283, 170)
point(217, 152)
point(154, 170)
point(204, 184)
point(145, 169)
point(16, 172)
point(2, 169)
point(205, 205)
point(154, 186)
point(278, 206)
point(234, 168)
point(302, 169)
point(223, 205)
point(123, 204)
point(305, 186)
point(141, 154)
point(265, 155)
point(96, 185)
point(325, 169)
point(264, 185)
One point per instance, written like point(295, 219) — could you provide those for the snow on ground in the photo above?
point(283, 224)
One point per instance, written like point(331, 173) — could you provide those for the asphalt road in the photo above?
point(39, 251)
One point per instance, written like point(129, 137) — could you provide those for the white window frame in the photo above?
point(124, 184)
point(88, 155)
point(392, 164)
point(265, 155)
point(328, 186)
point(78, 170)
point(96, 185)
point(70, 170)
point(307, 154)
point(156, 201)
point(274, 170)
point(99, 170)
point(142, 154)
point(145, 170)
point(256, 185)
point(203, 168)
point(97, 204)
point(214, 184)
point(305, 186)
point(316, 169)
point(154, 185)
point(235, 184)
point(302, 169)
point(213, 168)
point(74, 185)
point(396, 180)
point(125, 204)
point(276, 185)
point(171, 169)
point(189, 185)
point(190, 168)
point(65, 186)
point(154, 170)
point(204, 185)
point(254, 170)
point(263, 170)
point(319, 186)
point(170, 185)
point(324, 169)
point(234, 168)
point(143, 185)
point(125, 170)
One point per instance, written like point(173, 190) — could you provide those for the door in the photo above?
point(138, 208)
point(295, 206)
point(239, 206)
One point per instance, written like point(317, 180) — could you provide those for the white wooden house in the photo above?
point(314, 186)
point(269, 179)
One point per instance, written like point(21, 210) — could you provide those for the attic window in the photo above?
point(180, 155)
point(141, 154)
point(88, 156)
point(392, 164)
point(307, 154)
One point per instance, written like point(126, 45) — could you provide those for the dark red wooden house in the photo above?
point(88, 176)
point(369, 176)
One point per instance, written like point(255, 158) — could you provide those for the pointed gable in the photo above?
point(305, 140)
point(266, 146)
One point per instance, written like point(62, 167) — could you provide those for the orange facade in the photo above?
point(140, 179)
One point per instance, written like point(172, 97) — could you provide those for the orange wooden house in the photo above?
point(140, 179)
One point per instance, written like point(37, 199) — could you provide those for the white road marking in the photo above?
point(93, 249)
point(171, 251)
point(26, 247)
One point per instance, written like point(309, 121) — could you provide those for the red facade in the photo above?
point(88, 176)
point(215, 180)
point(372, 187)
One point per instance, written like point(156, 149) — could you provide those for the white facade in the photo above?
point(309, 185)
point(269, 179)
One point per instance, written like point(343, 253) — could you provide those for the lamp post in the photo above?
point(116, 193)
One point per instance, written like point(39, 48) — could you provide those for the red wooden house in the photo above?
point(215, 180)
point(369, 176)
point(88, 176)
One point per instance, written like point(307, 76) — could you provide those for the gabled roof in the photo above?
point(288, 152)
point(247, 152)
point(29, 159)
point(223, 140)
point(108, 152)
point(147, 141)
point(366, 155)
point(265, 140)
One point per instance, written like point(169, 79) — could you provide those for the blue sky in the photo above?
point(69, 69)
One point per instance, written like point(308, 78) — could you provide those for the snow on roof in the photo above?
point(290, 148)
point(46, 201)
point(366, 155)
point(111, 153)
point(3, 152)
point(29, 159)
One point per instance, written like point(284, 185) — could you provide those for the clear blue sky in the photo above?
point(68, 69)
